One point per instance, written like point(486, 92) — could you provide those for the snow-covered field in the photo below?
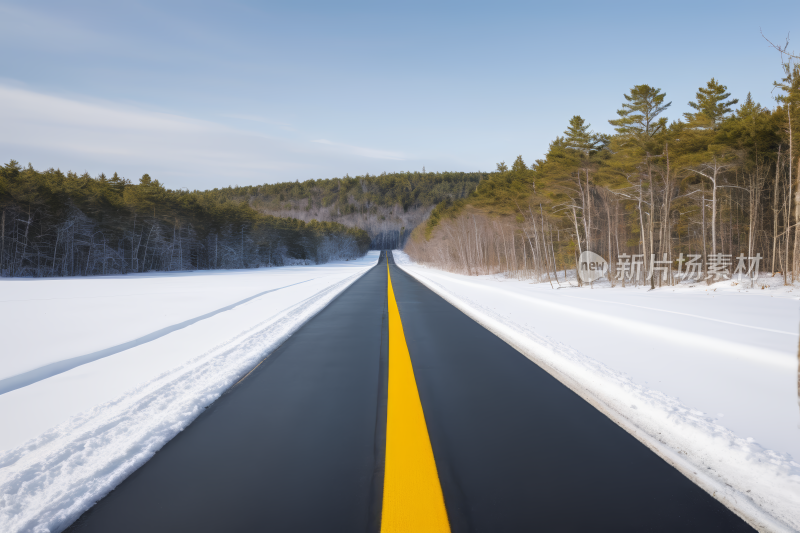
point(705, 376)
point(96, 374)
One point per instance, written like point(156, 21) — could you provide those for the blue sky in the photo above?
point(204, 95)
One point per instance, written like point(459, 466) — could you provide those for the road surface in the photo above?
point(393, 411)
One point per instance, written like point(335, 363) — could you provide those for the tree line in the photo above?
point(56, 224)
point(387, 206)
point(720, 182)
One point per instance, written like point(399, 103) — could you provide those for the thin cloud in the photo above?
point(363, 152)
point(256, 118)
point(25, 22)
point(100, 136)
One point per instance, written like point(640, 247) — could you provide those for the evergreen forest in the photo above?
point(56, 224)
point(388, 206)
point(720, 183)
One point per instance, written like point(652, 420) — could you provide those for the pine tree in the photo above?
point(711, 104)
point(639, 114)
point(638, 125)
point(519, 165)
point(579, 137)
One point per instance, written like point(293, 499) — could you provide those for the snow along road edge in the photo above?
point(545, 356)
point(49, 370)
point(49, 481)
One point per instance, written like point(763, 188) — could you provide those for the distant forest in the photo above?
point(388, 206)
point(719, 181)
point(56, 224)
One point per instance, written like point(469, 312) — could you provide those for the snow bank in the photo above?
point(705, 378)
point(72, 437)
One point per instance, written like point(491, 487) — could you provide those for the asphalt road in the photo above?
point(298, 445)
point(295, 446)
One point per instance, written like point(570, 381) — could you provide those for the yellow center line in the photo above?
point(412, 495)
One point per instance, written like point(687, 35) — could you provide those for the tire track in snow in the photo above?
point(49, 481)
point(37, 374)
